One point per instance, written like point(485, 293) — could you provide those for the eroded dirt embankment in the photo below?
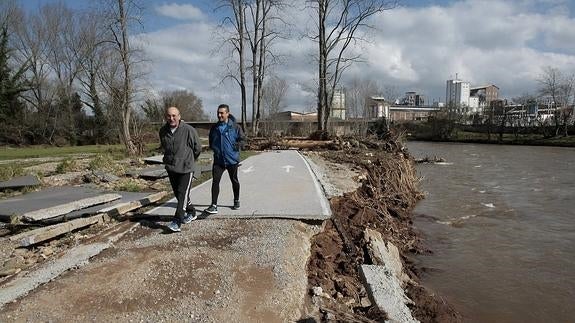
point(384, 202)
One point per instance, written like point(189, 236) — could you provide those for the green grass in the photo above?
point(66, 165)
point(49, 151)
point(129, 185)
point(10, 170)
point(118, 151)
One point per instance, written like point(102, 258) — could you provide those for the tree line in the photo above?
point(74, 77)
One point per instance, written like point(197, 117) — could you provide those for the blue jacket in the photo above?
point(226, 141)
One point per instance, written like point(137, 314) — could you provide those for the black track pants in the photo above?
point(181, 185)
point(217, 172)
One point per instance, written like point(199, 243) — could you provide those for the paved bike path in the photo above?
point(278, 184)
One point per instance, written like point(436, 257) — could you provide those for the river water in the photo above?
point(500, 221)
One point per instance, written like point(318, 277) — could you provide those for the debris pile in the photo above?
point(62, 203)
point(343, 257)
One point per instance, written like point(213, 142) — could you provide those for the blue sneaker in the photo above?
point(190, 216)
point(174, 226)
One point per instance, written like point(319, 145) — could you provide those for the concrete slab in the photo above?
point(59, 195)
point(154, 159)
point(278, 184)
point(62, 209)
point(384, 289)
point(155, 172)
point(19, 182)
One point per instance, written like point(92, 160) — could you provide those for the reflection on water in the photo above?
point(501, 223)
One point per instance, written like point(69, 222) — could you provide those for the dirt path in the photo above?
point(214, 271)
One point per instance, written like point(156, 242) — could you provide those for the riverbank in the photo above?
point(383, 202)
point(507, 139)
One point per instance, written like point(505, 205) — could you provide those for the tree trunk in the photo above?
point(254, 48)
point(126, 91)
point(238, 7)
point(322, 77)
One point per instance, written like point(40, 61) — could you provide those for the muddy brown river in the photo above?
point(500, 221)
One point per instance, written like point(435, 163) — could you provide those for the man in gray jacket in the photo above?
point(182, 147)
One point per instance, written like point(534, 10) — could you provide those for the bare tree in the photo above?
point(274, 93)
point(236, 40)
point(121, 83)
point(187, 102)
point(95, 51)
point(64, 58)
point(338, 22)
point(559, 90)
point(358, 94)
point(260, 35)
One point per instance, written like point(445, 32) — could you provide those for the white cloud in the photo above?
point(506, 43)
point(180, 11)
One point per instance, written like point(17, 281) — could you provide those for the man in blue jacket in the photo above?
point(226, 139)
point(182, 147)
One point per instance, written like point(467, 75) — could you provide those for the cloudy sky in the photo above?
point(415, 47)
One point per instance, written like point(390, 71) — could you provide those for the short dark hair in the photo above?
point(224, 106)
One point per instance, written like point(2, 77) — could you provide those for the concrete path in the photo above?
point(278, 184)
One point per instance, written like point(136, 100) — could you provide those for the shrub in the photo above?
point(66, 165)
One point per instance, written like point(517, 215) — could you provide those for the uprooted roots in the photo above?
point(383, 203)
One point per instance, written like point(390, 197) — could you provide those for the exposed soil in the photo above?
point(384, 202)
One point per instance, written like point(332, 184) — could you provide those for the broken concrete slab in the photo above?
point(75, 257)
point(19, 182)
point(62, 209)
point(105, 177)
point(385, 291)
point(154, 172)
point(384, 253)
point(35, 236)
point(122, 208)
point(158, 159)
point(54, 196)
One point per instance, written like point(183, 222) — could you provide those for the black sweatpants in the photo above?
point(181, 185)
point(217, 172)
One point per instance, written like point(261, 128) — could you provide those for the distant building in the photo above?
point(413, 99)
point(294, 116)
point(457, 94)
point(378, 108)
point(486, 94)
point(409, 99)
point(473, 105)
point(419, 100)
point(338, 105)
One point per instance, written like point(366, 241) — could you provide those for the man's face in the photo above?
point(223, 114)
point(173, 117)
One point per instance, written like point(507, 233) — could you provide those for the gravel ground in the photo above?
point(215, 270)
